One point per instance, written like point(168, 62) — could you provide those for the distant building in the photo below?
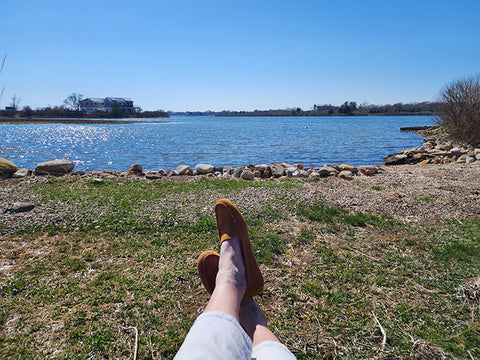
point(11, 109)
point(108, 104)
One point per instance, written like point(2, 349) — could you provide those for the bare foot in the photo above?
point(254, 322)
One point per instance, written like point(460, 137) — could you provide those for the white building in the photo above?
point(107, 104)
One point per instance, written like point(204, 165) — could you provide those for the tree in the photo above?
point(1, 69)
point(459, 109)
point(73, 101)
point(348, 108)
point(15, 102)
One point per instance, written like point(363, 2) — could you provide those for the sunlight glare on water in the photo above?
point(234, 141)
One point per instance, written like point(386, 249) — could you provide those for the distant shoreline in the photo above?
point(23, 121)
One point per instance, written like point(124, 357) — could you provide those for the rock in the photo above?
point(347, 175)
point(324, 172)
point(7, 167)
point(261, 167)
point(152, 175)
point(477, 156)
point(315, 175)
point(267, 173)
point(237, 172)
point(286, 166)
point(368, 170)
point(204, 169)
point(291, 171)
point(457, 151)
point(21, 173)
point(298, 166)
point(227, 170)
point(277, 170)
point(247, 175)
point(58, 166)
point(476, 151)
point(20, 207)
point(395, 159)
point(346, 167)
point(424, 162)
point(218, 173)
point(304, 173)
point(79, 173)
point(184, 170)
point(257, 174)
point(469, 159)
point(218, 169)
point(135, 169)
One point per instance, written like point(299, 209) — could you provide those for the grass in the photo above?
point(111, 255)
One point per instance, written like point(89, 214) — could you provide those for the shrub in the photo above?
point(459, 109)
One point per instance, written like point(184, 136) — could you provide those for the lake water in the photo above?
point(214, 140)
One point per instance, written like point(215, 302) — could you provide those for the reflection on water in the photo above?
point(216, 140)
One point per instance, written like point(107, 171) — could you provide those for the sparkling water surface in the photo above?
point(233, 141)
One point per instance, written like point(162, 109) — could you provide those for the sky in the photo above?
point(192, 55)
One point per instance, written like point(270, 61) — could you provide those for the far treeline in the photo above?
point(348, 108)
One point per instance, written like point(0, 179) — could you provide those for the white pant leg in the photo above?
point(271, 350)
point(215, 335)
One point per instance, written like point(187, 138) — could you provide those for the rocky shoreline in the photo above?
point(437, 148)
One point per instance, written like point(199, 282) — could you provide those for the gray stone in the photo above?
point(457, 151)
point(477, 156)
point(184, 170)
point(469, 159)
point(261, 167)
point(323, 172)
point(21, 173)
point(277, 170)
point(315, 175)
point(152, 175)
point(58, 166)
point(290, 171)
point(20, 207)
point(79, 173)
point(237, 172)
point(247, 175)
point(227, 170)
point(395, 159)
point(135, 168)
point(204, 169)
point(218, 169)
point(7, 167)
point(218, 173)
point(257, 174)
point(348, 175)
point(304, 173)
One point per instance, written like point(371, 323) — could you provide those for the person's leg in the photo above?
point(217, 333)
point(254, 321)
point(230, 281)
point(266, 345)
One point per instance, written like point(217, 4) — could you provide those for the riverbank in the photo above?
point(365, 267)
point(24, 120)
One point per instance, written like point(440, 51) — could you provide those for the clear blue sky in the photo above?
point(236, 55)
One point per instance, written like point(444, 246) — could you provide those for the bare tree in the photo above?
point(1, 69)
point(15, 102)
point(73, 101)
point(459, 109)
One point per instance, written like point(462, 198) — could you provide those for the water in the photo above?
point(213, 140)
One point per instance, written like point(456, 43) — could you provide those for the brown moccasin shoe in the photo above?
point(207, 266)
point(231, 222)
